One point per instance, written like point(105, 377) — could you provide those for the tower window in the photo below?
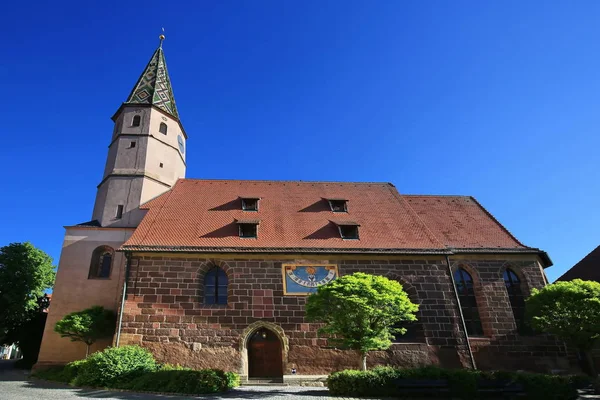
point(131, 145)
point(338, 205)
point(163, 128)
point(119, 214)
point(348, 230)
point(101, 263)
point(161, 165)
point(250, 204)
point(248, 228)
point(136, 120)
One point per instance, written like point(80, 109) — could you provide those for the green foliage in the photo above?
point(134, 368)
point(182, 381)
point(65, 374)
point(114, 364)
point(359, 311)
point(87, 325)
point(25, 273)
point(569, 310)
point(462, 384)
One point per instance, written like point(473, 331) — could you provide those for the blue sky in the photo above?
point(498, 100)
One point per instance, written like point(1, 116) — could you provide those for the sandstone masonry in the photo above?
point(164, 312)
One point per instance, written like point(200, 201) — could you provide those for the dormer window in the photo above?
point(348, 230)
point(338, 205)
point(250, 204)
point(248, 228)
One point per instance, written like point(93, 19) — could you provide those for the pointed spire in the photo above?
point(154, 85)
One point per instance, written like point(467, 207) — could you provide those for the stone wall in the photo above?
point(164, 312)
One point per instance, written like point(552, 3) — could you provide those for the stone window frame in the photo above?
point(96, 261)
point(525, 292)
point(200, 274)
point(413, 295)
point(482, 304)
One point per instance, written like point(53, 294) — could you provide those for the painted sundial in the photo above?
point(305, 279)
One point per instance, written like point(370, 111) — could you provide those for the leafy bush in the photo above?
point(107, 368)
point(182, 380)
point(64, 373)
point(134, 368)
point(461, 383)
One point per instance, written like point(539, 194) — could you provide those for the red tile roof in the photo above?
point(461, 222)
point(587, 269)
point(201, 215)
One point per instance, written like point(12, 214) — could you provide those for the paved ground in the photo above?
point(15, 385)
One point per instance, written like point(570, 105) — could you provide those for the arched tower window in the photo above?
point(163, 128)
point(468, 302)
point(136, 120)
point(517, 300)
point(101, 264)
point(215, 286)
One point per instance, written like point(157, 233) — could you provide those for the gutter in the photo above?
point(127, 267)
point(462, 317)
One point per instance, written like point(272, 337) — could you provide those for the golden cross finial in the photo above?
point(161, 37)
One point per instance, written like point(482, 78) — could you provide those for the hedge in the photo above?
point(462, 384)
point(134, 368)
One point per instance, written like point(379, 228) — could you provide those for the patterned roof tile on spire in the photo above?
point(154, 86)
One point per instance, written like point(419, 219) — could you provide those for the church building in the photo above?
point(215, 273)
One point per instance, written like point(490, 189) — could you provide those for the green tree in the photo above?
point(25, 274)
point(87, 326)
point(359, 312)
point(569, 310)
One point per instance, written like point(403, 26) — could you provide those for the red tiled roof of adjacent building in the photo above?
point(201, 215)
point(587, 269)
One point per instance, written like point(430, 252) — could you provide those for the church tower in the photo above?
point(146, 154)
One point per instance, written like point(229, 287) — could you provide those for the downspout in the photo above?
point(127, 267)
point(462, 317)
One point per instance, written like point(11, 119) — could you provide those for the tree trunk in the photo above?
point(363, 361)
point(590, 362)
point(87, 350)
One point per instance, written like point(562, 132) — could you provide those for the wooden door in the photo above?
point(264, 355)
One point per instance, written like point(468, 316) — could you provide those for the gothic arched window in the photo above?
point(468, 302)
point(136, 120)
point(163, 128)
point(517, 300)
point(215, 286)
point(413, 328)
point(101, 264)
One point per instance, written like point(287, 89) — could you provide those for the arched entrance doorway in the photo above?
point(264, 355)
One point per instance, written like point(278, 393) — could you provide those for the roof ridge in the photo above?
point(436, 195)
point(285, 181)
point(401, 198)
point(489, 214)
